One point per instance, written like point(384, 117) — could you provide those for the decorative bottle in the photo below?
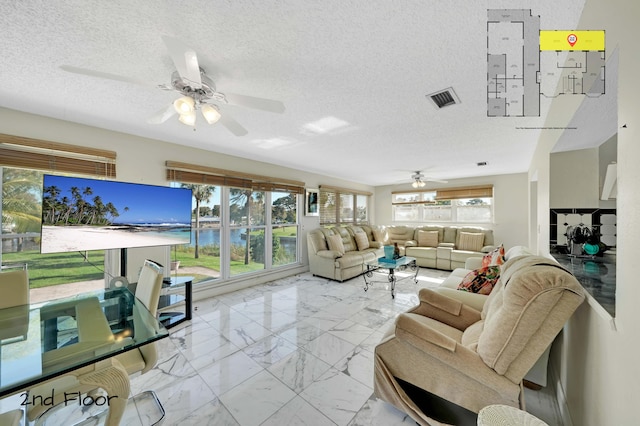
point(396, 251)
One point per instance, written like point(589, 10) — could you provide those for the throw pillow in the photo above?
point(494, 257)
point(471, 241)
point(335, 243)
point(428, 238)
point(481, 280)
point(361, 240)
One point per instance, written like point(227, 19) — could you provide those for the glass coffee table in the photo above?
point(388, 267)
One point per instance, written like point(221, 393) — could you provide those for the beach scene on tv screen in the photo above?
point(89, 214)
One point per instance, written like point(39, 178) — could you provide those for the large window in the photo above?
point(201, 258)
point(284, 228)
point(251, 222)
point(343, 206)
point(22, 163)
point(20, 237)
point(459, 205)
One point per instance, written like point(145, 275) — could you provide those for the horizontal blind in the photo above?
point(465, 192)
point(37, 154)
point(328, 206)
point(449, 193)
point(192, 173)
point(344, 190)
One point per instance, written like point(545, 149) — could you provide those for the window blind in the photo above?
point(466, 192)
point(343, 190)
point(192, 173)
point(450, 193)
point(37, 154)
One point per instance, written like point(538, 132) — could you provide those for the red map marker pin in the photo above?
point(572, 39)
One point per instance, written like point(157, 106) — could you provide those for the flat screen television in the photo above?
point(80, 214)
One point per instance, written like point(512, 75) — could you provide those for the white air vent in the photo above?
point(444, 98)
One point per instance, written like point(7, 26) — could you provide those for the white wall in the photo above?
point(577, 176)
point(574, 179)
point(142, 160)
point(596, 365)
point(510, 193)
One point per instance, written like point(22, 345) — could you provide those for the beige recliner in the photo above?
point(473, 358)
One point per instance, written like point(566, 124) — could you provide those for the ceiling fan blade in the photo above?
point(436, 180)
point(185, 60)
point(232, 125)
point(106, 75)
point(162, 115)
point(255, 103)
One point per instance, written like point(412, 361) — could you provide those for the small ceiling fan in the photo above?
point(419, 180)
point(197, 89)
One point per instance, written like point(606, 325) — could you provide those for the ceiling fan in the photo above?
point(197, 89)
point(419, 180)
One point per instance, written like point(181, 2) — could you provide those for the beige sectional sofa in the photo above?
point(441, 247)
point(358, 245)
point(449, 286)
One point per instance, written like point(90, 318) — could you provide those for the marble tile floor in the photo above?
point(296, 351)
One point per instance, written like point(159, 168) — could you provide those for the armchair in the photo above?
point(472, 358)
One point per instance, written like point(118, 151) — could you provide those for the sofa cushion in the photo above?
point(352, 258)
point(471, 335)
point(422, 252)
point(494, 257)
point(516, 251)
point(471, 241)
point(348, 241)
point(481, 280)
point(335, 243)
point(427, 238)
point(399, 234)
point(361, 240)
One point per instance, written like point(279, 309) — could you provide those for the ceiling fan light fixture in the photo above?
point(189, 118)
point(418, 183)
point(210, 113)
point(184, 105)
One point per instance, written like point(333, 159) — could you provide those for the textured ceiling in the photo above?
point(353, 76)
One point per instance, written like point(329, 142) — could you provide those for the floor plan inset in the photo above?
point(525, 63)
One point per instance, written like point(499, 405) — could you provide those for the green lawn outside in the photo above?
point(57, 268)
point(62, 268)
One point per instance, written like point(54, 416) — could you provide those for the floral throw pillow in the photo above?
point(481, 280)
point(494, 257)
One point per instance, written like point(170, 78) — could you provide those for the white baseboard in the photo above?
point(561, 397)
point(206, 290)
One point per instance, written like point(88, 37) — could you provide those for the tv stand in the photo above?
point(170, 296)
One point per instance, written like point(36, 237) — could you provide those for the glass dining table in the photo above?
point(42, 341)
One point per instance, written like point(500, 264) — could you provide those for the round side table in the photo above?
point(505, 415)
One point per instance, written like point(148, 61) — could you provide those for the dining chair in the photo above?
point(15, 288)
point(11, 418)
point(139, 360)
point(147, 291)
point(15, 293)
